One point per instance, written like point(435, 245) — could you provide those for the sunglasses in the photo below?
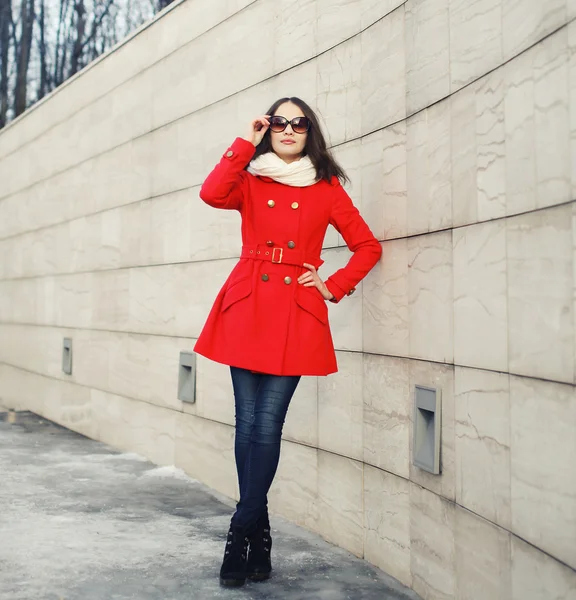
point(299, 124)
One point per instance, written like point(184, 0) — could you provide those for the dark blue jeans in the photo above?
point(261, 405)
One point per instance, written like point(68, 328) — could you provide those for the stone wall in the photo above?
point(456, 120)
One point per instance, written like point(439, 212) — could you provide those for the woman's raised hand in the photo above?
point(312, 279)
point(258, 128)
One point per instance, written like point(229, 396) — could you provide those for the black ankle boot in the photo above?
point(259, 564)
point(233, 570)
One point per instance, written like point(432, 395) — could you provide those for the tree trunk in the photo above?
point(43, 87)
point(79, 41)
point(23, 60)
point(5, 19)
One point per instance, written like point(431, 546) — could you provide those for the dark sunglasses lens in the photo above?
point(278, 124)
point(300, 124)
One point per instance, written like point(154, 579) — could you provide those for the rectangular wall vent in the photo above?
point(187, 377)
point(427, 429)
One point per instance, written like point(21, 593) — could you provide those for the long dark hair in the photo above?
point(316, 149)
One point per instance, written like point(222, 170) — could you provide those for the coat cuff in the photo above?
point(337, 291)
point(240, 151)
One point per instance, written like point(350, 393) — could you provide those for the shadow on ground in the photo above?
point(81, 521)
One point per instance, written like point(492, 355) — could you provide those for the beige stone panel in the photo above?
point(301, 424)
point(540, 288)
point(475, 39)
point(300, 81)
point(384, 187)
point(91, 352)
point(439, 377)
point(571, 11)
point(482, 443)
point(480, 296)
point(374, 10)
point(340, 501)
point(571, 96)
point(255, 100)
point(490, 137)
point(552, 131)
point(196, 286)
point(294, 492)
point(519, 120)
point(387, 523)
point(71, 406)
point(294, 27)
point(137, 242)
point(349, 156)
point(337, 20)
point(428, 170)
point(109, 304)
point(430, 296)
point(346, 316)
point(19, 301)
point(525, 22)
point(536, 576)
point(179, 83)
point(171, 299)
point(214, 392)
point(234, 47)
point(23, 390)
point(464, 149)
point(205, 450)
point(172, 227)
point(340, 86)
point(199, 16)
point(427, 53)
point(331, 238)
point(185, 164)
point(387, 425)
point(543, 452)
point(432, 556)
point(74, 297)
point(340, 408)
point(131, 110)
point(385, 310)
point(134, 359)
point(119, 176)
point(483, 559)
point(136, 426)
point(383, 72)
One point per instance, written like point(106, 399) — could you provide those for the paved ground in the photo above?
point(81, 521)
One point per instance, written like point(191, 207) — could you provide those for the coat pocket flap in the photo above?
point(238, 291)
point(312, 302)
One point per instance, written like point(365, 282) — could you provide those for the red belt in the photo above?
point(279, 255)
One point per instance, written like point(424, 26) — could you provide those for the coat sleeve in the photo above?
point(224, 188)
point(361, 241)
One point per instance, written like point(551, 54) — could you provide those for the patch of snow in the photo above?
point(169, 472)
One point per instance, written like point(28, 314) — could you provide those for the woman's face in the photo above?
point(288, 145)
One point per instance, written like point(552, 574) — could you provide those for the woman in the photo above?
point(269, 322)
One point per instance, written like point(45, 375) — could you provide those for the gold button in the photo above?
point(287, 280)
point(291, 245)
point(271, 203)
point(265, 277)
point(269, 243)
point(229, 154)
point(294, 205)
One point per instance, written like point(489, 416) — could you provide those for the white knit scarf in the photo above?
point(300, 173)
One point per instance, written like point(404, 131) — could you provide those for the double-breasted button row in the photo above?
point(265, 277)
point(294, 205)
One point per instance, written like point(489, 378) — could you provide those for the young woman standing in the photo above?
point(269, 322)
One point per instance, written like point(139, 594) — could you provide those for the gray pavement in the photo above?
point(82, 521)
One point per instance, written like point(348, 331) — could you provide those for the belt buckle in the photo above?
point(281, 252)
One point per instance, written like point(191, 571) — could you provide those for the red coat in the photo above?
point(262, 319)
